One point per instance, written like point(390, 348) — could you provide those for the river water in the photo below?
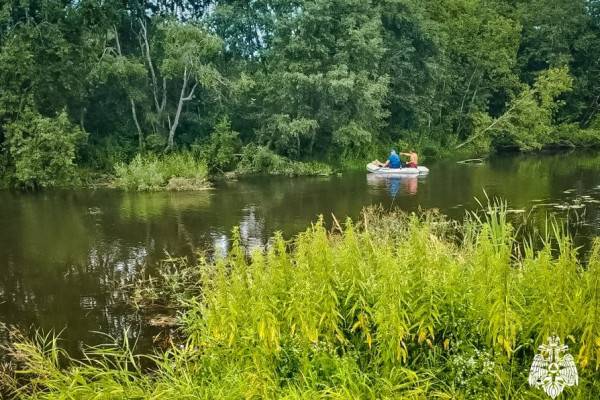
point(65, 255)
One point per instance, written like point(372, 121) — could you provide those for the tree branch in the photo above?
point(191, 94)
point(117, 40)
point(503, 116)
point(137, 125)
point(146, 51)
point(182, 99)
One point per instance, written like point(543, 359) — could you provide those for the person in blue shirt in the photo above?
point(393, 161)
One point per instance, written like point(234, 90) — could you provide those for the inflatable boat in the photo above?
point(374, 169)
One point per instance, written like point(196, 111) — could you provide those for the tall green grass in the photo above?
point(394, 306)
point(176, 171)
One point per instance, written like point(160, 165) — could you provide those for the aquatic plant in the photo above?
point(393, 306)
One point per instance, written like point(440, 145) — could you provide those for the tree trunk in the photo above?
point(82, 118)
point(146, 51)
point(182, 99)
point(462, 103)
point(137, 125)
point(592, 113)
point(171, 140)
point(133, 111)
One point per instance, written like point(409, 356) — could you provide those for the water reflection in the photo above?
point(252, 228)
point(395, 185)
point(66, 257)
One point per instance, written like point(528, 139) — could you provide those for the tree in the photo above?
point(189, 51)
point(130, 73)
point(322, 78)
point(527, 123)
point(564, 33)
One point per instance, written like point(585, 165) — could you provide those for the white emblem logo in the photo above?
point(552, 369)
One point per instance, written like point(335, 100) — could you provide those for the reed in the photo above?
point(393, 306)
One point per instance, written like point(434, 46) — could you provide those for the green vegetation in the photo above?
point(92, 83)
point(261, 160)
point(397, 306)
point(171, 172)
point(42, 150)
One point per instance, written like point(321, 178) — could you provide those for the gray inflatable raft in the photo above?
point(374, 169)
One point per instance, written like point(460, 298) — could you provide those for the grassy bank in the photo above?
point(395, 306)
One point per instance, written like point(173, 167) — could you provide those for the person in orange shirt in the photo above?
point(413, 161)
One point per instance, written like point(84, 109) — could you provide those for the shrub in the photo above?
point(177, 171)
point(142, 173)
point(182, 165)
point(261, 160)
point(398, 307)
point(571, 135)
point(292, 137)
point(43, 150)
point(221, 150)
point(352, 140)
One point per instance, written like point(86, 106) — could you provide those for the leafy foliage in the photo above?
point(222, 148)
point(527, 124)
point(397, 307)
point(172, 172)
point(261, 160)
point(42, 150)
point(306, 79)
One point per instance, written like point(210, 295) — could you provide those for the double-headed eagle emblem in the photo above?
point(552, 369)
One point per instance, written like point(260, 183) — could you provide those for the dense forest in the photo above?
point(91, 84)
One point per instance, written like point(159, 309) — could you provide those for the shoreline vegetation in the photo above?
point(395, 305)
point(185, 171)
point(194, 169)
point(95, 88)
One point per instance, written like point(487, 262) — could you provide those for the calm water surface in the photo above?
point(65, 255)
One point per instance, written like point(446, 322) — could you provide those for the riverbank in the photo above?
point(394, 305)
point(192, 171)
point(146, 173)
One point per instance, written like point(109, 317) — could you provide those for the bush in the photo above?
point(261, 160)
point(352, 140)
point(571, 135)
point(42, 150)
point(103, 153)
point(221, 150)
point(292, 137)
point(178, 171)
point(183, 165)
point(398, 307)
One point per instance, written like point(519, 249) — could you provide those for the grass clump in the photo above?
point(397, 306)
point(177, 171)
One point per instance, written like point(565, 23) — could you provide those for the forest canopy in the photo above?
point(90, 84)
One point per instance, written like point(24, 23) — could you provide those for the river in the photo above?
point(66, 255)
